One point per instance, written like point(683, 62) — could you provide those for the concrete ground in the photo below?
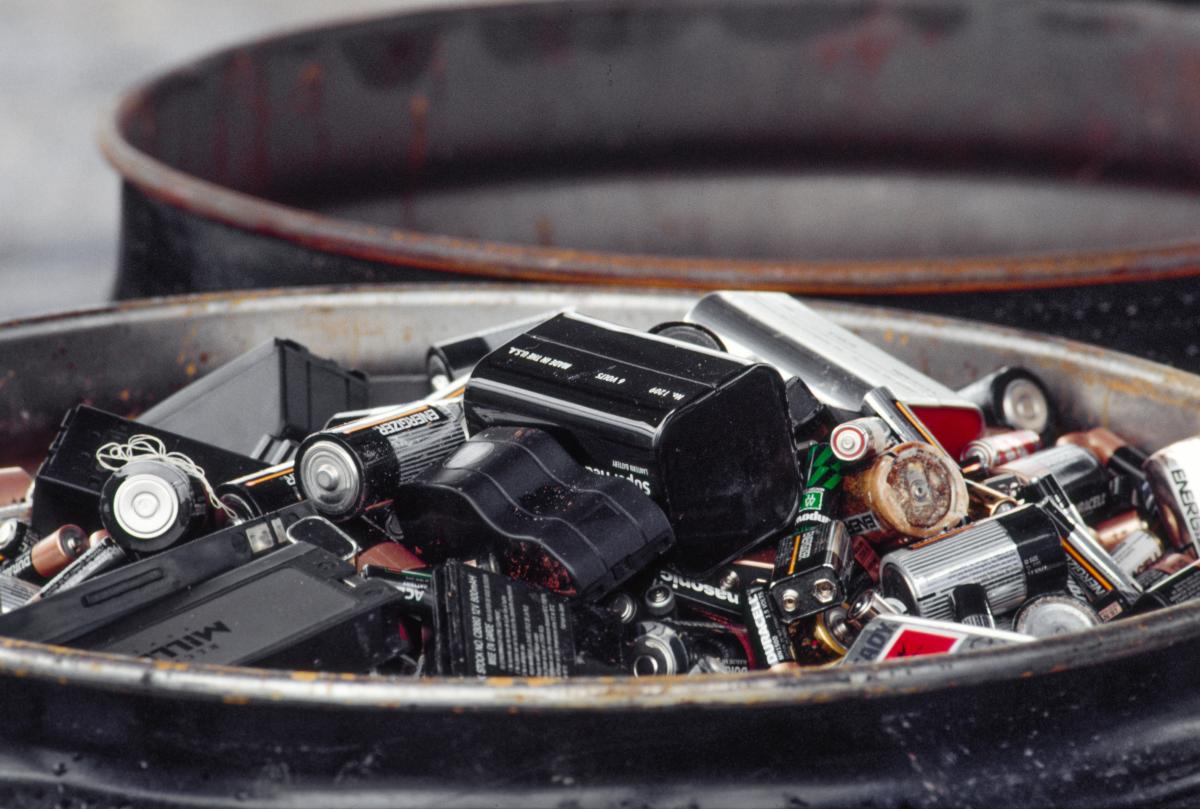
point(62, 64)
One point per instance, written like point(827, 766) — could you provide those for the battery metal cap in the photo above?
point(149, 505)
point(658, 650)
point(329, 477)
point(1050, 615)
point(1024, 405)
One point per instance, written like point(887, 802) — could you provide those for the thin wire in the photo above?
point(141, 447)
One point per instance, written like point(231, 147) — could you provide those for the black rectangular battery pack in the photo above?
point(298, 607)
point(68, 483)
point(263, 402)
point(485, 624)
point(704, 434)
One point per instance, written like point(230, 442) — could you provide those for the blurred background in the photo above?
point(62, 65)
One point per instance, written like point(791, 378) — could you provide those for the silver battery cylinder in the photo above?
point(1174, 474)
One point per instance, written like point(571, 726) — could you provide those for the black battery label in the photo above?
point(768, 638)
point(512, 629)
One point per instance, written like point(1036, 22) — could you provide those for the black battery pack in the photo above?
point(297, 607)
point(515, 492)
point(72, 613)
point(68, 483)
point(705, 434)
point(485, 624)
point(263, 402)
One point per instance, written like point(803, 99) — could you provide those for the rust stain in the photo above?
point(418, 142)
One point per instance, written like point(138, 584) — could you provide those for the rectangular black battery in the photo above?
point(705, 434)
point(485, 624)
point(263, 402)
point(67, 485)
point(298, 607)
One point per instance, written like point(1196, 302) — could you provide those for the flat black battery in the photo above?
point(705, 434)
point(68, 484)
point(297, 607)
point(485, 624)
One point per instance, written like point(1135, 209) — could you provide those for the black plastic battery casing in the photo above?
point(705, 434)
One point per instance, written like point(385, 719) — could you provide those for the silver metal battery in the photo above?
point(1050, 615)
point(858, 439)
point(1174, 475)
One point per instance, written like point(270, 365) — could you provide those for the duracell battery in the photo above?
point(839, 366)
point(48, 555)
point(768, 635)
point(1171, 563)
point(101, 556)
point(912, 490)
point(1180, 586)
point(357, 467)
point(149, 506)
point(321, 615)
point(1109, 590)
point(1013, 556)
point(515, 492)
point(454, 358)
point(705, 434)
point(1174, 475)
point(1077, 470)
point(68, 484)
point(971, 606)
point(260, 492)
point(811, 569)
point(1015, 398)
point(16, 537)
point(997, 449)
point(108, 597)
point(485, 624)
point(891, 637)
point(15, 593)
point(1121, 459)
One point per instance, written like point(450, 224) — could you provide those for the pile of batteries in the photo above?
point(753, 487)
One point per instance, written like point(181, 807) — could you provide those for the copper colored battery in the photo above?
point(53, 552)
point(1001, 448)
point(1113, 531)
point(390, 555)
point(912, 490)
point(14, 484)
point(96, 537)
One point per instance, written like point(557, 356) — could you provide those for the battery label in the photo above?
point(863, 524)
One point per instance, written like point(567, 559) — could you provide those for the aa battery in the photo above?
point(995, 450)
point(148, 506)
point(1137, 552)
point(1121, 459)
point(102, 555)
point(256, 494)
point(811, 568)
point(971, 606)
point(1109, 590)
point(1077, 470)
point(769, 639)
point(890, 637)
point(912, 490)
point(1050, 615)
point(1174, 474)
point(357, 467)
point(1015, 398)
point(860, 439)
point(49, 555)
point(1013, 556)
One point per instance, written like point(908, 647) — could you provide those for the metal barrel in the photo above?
point(915, 152)
point(934, 731)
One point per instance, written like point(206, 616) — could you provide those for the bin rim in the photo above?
point(494, 260)
point(921, 675)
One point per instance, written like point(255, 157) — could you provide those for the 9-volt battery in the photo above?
point(706, 435)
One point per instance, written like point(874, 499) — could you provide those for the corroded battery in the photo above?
point(1013, 556)
point(995, 450)
point(912, 490)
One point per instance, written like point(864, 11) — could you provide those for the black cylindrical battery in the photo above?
point(356, 468)
point(261, 492)
point(1013, 556)
point(971, 606)
point(1077, 470)
point(148, 506)
point(1015, 398)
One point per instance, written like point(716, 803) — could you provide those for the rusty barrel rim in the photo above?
point(526, 262)
point(233, 685)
